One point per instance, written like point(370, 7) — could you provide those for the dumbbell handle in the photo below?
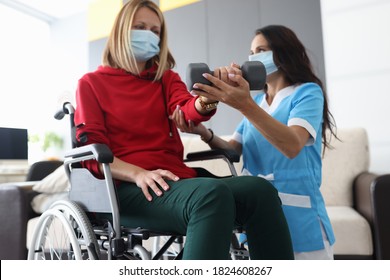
point(252, 71)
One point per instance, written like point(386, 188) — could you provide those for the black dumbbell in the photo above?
point(252, 71)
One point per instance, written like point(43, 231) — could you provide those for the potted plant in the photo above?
point(50, 143)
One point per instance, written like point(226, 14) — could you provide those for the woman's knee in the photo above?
point(218, 192)
point(216, 196)
point(257, 190)
point(258, 185)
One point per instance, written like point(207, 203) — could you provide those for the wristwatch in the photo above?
point(208, 106)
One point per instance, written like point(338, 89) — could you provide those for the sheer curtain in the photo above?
point(24, 73)
point(26, 100)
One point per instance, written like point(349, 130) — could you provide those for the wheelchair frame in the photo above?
point(82, 238)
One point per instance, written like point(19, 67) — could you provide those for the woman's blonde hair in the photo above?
point(118, 52)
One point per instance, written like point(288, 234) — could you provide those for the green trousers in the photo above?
point(206, 210)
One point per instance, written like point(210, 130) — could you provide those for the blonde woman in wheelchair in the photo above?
point(125, 104)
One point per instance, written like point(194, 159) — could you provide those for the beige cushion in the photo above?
point(348, 158)
point(30, 230)
point(41, 202)
point(352, 231)
point(52, 188)
point(55, 182)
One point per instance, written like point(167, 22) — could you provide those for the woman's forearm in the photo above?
point(216, 142)
point(124, 171)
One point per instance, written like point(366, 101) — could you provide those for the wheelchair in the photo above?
point(70, 230)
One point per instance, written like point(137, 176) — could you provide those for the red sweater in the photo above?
point(130, 114)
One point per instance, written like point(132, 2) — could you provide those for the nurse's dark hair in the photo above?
point(291, 57)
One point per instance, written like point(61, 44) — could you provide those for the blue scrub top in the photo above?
point(298, 180)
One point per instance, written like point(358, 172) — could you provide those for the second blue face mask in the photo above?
point(144, 44)
point(267, 59)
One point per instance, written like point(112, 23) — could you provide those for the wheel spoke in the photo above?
point(63, 232)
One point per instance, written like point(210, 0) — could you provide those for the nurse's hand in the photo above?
point(234, 93)
point(222, 73)
point(188, 127)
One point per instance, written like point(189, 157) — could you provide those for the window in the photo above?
point(24, 70)
point(41, 63)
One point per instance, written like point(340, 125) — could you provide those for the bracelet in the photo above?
point(211, 138)
point(208, 106)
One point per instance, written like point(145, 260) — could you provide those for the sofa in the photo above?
point(16, 209)
point(357, 200)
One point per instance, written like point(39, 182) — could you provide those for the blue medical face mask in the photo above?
point(267, 59)
point(144, 44)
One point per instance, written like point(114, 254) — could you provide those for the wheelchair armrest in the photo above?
point(101, 153)
point(230, 155)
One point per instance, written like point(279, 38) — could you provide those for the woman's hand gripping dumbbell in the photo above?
point(252, 71)
point(230, 85)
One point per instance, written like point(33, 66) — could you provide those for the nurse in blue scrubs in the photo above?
point(281, 134)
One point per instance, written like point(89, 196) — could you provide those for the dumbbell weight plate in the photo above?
point(195, 73)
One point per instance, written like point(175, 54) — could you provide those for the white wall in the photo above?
point(357, 64)
point(203, 32)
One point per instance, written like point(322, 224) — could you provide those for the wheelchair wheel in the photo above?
point(63, 232)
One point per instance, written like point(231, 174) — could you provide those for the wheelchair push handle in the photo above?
point(67, 109)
